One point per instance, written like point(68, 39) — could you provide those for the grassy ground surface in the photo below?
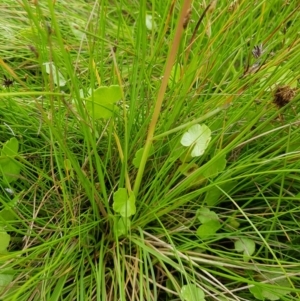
point(101, 198)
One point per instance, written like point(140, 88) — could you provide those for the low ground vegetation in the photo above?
point(149, 150)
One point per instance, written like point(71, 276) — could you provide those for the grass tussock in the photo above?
point(110, 189)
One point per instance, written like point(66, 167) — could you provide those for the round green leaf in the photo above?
point(208, 229)
point(138, 156)
point(197, 136)
point(6, 215)
point(205, 215)
point(216, 167)
point(257, 292)
point(101, 103)
point(150, 24)
point(245, 245)
point(191, 292)
point(4, 241)
point(122, 204)
point(212, 195)
point(10, 147)
point(10, 171)
point(10, 168)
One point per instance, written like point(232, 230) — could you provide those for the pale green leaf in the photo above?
point(107, 94)
point(98, 111)
point(101, 104)
point(280, 287)
point(216, 167)
point(123, 226)
point(10, 147)
point(208, 229)
point(120, 199)
point(197, 137)
point(212, 196)
point(269, 295)
point(122, 204)
point(205, 215)
point(191, 292)
point(150, 24)
point(77, 30)
point(68, 168)
point(6, 215)
point(138, 156)
point(245, 245)
point(57, 77)
point(257, 292)
point(10, 170)
point(5, 280)
point(233, 222)
point(4, 241)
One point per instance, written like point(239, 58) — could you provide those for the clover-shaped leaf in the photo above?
point(197, 137)
point(245, 245)
point(123, 204)
point(210, 223)
point(191, 292)
point(208, 229)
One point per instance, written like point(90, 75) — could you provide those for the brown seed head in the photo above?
point(283, 95)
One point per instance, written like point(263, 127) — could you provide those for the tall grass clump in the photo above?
point(149, 150)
